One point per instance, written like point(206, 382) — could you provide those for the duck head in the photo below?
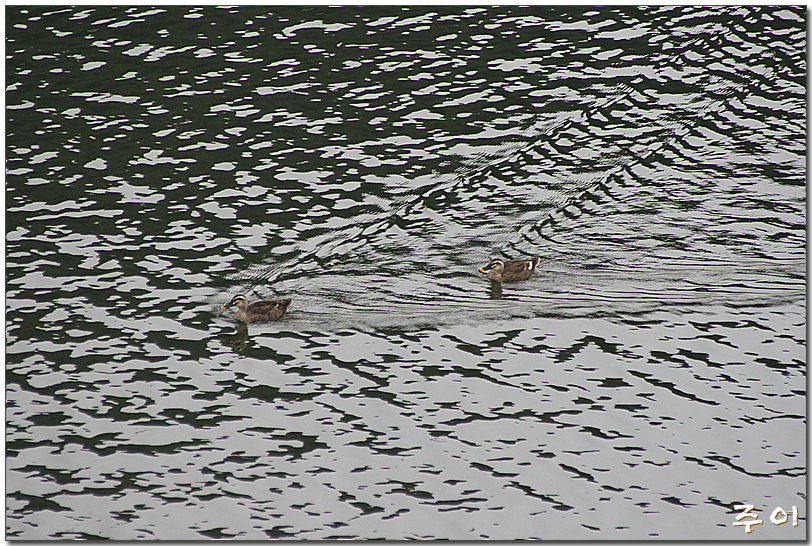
point(495, 265)
point(240, 302)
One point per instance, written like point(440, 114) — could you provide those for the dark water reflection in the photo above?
point(365, 162)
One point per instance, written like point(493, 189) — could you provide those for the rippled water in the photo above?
point(365, 162)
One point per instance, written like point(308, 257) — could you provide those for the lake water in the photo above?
point(365, 162)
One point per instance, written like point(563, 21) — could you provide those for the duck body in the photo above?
point(259, 311)
point(510, 270)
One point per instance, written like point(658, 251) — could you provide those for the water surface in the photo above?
point(366, 162)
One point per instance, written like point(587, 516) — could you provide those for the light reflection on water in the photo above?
point(365, 163)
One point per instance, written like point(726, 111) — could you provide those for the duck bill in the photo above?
point(224, 307)
point(483, 270)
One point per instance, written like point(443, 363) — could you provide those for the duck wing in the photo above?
point(268, 309)
point(520, 269)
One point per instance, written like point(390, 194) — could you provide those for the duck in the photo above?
point(510, 270)
point(259, 311)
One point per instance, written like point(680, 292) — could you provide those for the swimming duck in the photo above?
point(511, 270)
point(259, 311)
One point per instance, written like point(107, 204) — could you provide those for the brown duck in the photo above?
point(259, 311)
point(511, 270)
